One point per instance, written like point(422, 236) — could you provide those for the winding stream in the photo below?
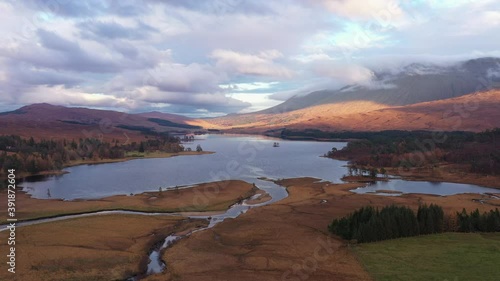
point(156, 265)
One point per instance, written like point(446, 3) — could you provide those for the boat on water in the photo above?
point(276, 144)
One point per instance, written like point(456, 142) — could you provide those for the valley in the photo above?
point(101, 194)
point(255, 241)
point(228, 140)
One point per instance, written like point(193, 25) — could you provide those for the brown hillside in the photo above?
point(166, 116)
point(56, 122)
point(473, 112)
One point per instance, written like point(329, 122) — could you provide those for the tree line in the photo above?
point(480, 152)
point(369, 224)
point(35, 156)
point(477, 222)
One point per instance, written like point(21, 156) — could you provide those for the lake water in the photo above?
point(237, 157)
point(437, 188)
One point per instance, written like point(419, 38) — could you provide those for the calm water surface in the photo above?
point(437, 188)
point(237, 157)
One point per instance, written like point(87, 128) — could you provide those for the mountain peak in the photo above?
point(482, 66)
point(43, 105)
point(422, 69)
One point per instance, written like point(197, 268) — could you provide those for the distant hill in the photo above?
point(166, 116)
point(472, 112)
point(414, 97)
point(51, 121)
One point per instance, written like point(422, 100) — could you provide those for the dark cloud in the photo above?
point(113, 30)
point(71, 56)
point(51, 40)
point(221, 7)
point(199, 100)
point(88, 8)
point(58, 53)
point(36, 77)
point(126, 49)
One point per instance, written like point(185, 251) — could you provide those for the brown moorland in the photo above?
point(289, 239)
point(104, 247)
point(46, 121)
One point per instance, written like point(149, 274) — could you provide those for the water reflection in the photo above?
point(237, 157)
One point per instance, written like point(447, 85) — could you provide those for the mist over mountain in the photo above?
point(417, 96)
point(414, 83)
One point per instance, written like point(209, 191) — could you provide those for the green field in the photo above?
point(449, 256)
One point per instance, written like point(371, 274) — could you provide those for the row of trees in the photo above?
point(372, 172)
point(479, 151)
point(369, 224)
point(43, 155)
point(477, 222)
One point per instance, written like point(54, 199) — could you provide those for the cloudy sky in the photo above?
point(209, 58)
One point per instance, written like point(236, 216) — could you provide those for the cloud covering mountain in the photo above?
point(208, 58)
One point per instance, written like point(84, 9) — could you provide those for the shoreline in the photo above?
point(363, 179)
point(447, 176)
point(445, 172)
point(203, 197)
point(153, 155)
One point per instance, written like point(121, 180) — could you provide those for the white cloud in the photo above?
point(365, 9)
point(477, 23)
point(249, 86)
point(73, 97)
point(259, 101)
point(260, 64)
point(344, 73)
point(189, 55)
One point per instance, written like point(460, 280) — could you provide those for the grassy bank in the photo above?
point(449, 256)
point(215, 196)
point(445, 172)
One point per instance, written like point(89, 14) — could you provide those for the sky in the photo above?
point(211, 58)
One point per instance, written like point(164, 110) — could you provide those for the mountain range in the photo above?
point(418, 96)
point(462, 96)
